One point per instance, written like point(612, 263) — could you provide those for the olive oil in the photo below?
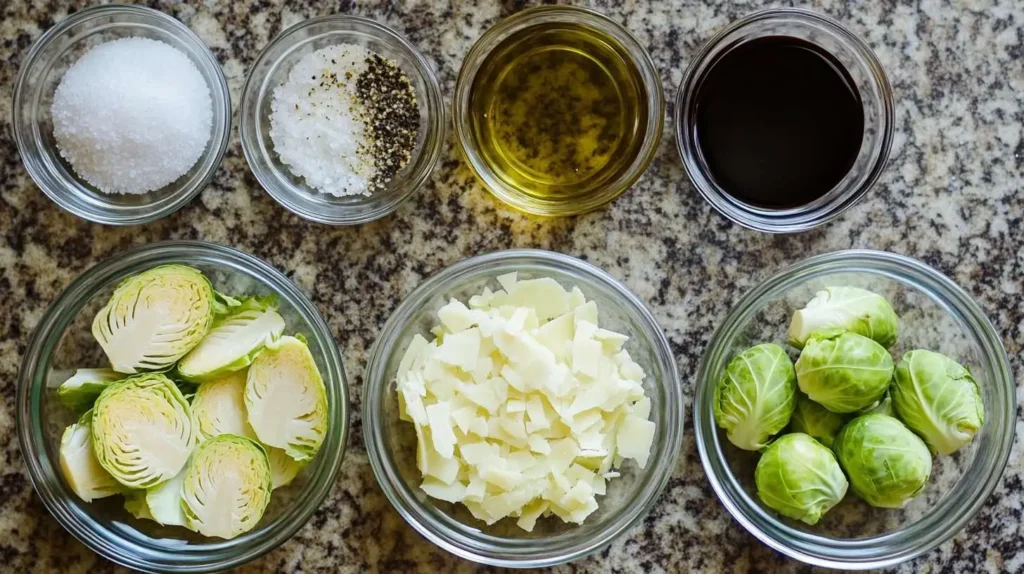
point(557, 110)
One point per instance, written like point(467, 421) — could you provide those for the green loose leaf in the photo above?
point(755, 397)
point(799, 477)
point(845, 373)
point(845, 309)
point(887, 464)
point(142, 430)
point(234, 341)
point(226, 487)
point(79, 392)
point(152, 319)
point(938, 399)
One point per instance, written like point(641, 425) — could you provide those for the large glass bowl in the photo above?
point(391, 443)
point(63, 342)
point(44, 66)
point(935, 314)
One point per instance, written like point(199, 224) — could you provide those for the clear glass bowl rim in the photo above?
point(556, 207)
point(255, 86)
point(214, 556)
point(888, 549)
point(822, 210)
point(486, 550)
point(217, 146)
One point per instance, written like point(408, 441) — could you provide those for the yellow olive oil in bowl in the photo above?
point(558, 109)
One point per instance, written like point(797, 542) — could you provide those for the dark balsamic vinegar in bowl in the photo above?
point(779, 122)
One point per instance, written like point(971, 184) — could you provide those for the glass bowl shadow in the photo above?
point(271, 69)
point(63, 342)
point(935, 314)
point(391, 443)
point(40, 74)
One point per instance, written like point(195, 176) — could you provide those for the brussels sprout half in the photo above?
point(219, 407)
point(78, 463)
point(154, 318)
point(800, 478)
point(234, 341)
point(846, 309)
point(79, 392)
point(226, 486)
point(887, 464)
point(845, 373)
point(283, 468)
point(816, 421)
point(142, 430)
point(938, 399)
point(755, 397)
point(286, 400)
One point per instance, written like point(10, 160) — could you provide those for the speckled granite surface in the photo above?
point(952, 196)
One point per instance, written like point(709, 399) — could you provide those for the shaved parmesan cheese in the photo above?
point(523, 404)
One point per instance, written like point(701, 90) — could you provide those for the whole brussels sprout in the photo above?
point(755, 397)
point(816, 421)
point(887, 464)
point(844, 373)
point(846, 309)
point(800, 478)
point(938, 399)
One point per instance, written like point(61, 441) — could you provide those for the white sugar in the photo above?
point(132, 115)
point(316, 121)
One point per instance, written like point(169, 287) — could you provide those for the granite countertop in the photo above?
point(951, 196)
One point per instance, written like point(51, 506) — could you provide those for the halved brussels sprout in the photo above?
point(163, 501)
point(142, 430)
point(226, 486)
point(79, 392)
point(234, 341)
point(283, 468)
point(81, 470)
point(755, 397)
point(846, 309)
point(887, 464)
point(219, 407)
point(799, 478)
point(286, 400)
point(816, 421)
point(845, 373)
point(937, 398)
point(154, 318)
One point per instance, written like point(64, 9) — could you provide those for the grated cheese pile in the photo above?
point(523, 405)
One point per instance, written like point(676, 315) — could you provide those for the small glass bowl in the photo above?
point(271, 69)
point(42, 71)
point(63, 342)
point(584, 201)
point(935, 314)
point(869, 79)
point(391, 443)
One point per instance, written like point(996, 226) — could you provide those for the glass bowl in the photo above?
point(602, 192)
point(271, 70)
point(869, 79)
point(391, 443)
point(63, 341)
point(41, 72)
point(935, 314)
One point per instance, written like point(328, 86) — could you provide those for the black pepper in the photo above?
point(392, 117)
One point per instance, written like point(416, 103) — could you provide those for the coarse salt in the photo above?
point(132, 115)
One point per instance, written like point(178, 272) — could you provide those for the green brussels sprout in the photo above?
point(887, 464)
point(286, 400)
point(219, 407)
point(163, 501)
point(845, 309)
point(283, 468)
point(884, 406)
point(938, 399)
point(845, 373)
point(755, 397)
point(142, 430)
point(799, 478)
point(79, 392)
point(78, 463)
point(226, 486)
point(233, 341)
point(154, 318)
point(816, 421)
